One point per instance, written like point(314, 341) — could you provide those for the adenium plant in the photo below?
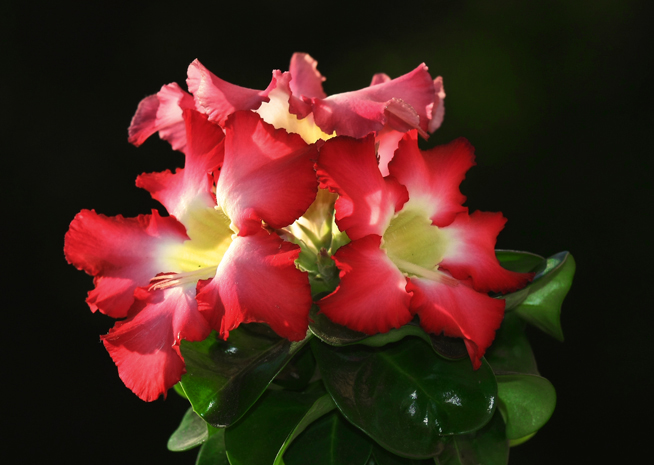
point(291, 205)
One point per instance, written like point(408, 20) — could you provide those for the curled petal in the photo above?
point(457, 311)
point(471, 253)
point(371, 297)
point(204, 154)
point(367, 201)
point(257, 281)
point(162, 112)
point(432, 177)
point(145, 346)
point(438, 111)
point(219, 99)
point(122, 254)
point(267, 174)
point(361, 112)
point(306, 79)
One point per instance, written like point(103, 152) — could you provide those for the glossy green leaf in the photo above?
point(487, 446)
point(213, 451)
point(331, 440)
point(511, 351)
point(383, 457)
point(261, 435)
point(179, 390)
point(224, 378)
point(520, 262)
point(405, 396)
point(542, 307)
point(190, 433)
point(517, 442)
point(526, 402)
point(298, 372)
point(319, 408)
point(332, 333)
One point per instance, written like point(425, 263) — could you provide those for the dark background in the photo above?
point(555, 96)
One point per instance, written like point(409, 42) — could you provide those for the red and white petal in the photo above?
point(433, 176)
point(162, 112)
point(471, 253)
point(438, 111)
point(257, 281)
point(372, 296)
point(457, 311)
point(267, 174)
point(145, 346)
point(361, 112)
point(306, 79)
point(204, 154)
point(387, 141)
point(367, 201)
point(122, 254)
point(217, 98)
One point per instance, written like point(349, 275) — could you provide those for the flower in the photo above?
point(415, 250)
point(201, 268)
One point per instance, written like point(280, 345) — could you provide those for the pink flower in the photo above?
point(295, 101)
point(203, 267)
point(415, 249)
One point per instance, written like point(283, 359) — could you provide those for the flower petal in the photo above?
point(162, 112)
point(371, 297)
point(306, 79)
point(219, 99)
point(267, 174)
point(433, 176)
point(145, 346)
point(438, 111)
point(361, 112)
point(122, 254)
point(204, 154)
point(471, 253)
point(367, 201)
point(257, 281)
point(457, 311)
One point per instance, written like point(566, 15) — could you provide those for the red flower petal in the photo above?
point(122, 253)
point(438, 111)
point(218, 98)
point(162, 112)
point(267, 174)
point(367, 201)
point(457, 311)
point(471, 253)
point(257, 281)
point(371, 297)
point(361, 112)
point(432, 177)
point(204, 154)
point(306, 79)
point(145, 346)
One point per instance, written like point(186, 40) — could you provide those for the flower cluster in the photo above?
point(289, 197)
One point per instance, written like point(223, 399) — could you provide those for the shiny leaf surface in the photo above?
point(213, 451)
point(331, 440)
point(542, 307)
point(224, 378)
point(405, 396)
point(298, 372)
point(526, 402)
point(383, 457)
point(511, 351)
point(487, 446)
point(191, 432)
point(259, 437)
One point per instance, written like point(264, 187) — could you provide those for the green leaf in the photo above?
point(511, 351)
point(383, 457)
point(520, 262)
point(179, 390)
point(487, 446)
point(405, 396)
point(190, 433)
point(331, 440)
point(213, 451)
point(517, 442)
point(298, 372)
point(261, 436)
point(542, 307)
point(332, 333)
point(526, 402)
point(224, 378)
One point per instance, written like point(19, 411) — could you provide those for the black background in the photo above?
point(555, 96)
